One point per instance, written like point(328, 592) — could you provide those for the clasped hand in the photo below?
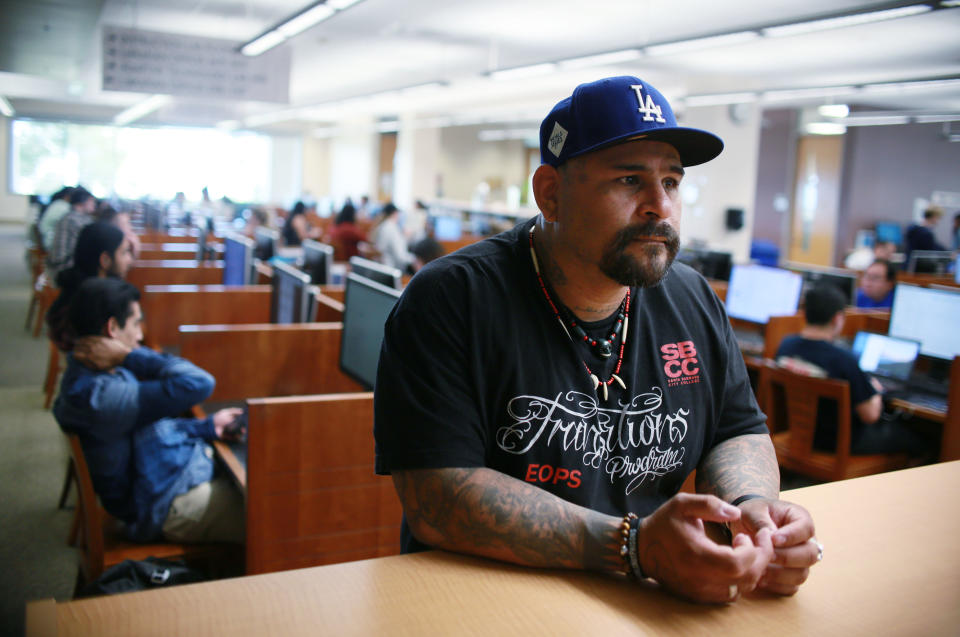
point(676, 550)
point(100, 353)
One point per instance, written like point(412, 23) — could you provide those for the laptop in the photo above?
point(887, 358)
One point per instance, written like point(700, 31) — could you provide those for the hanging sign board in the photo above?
point(205, 68)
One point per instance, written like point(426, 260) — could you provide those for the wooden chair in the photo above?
point(44, 294)
point(101, 540)
point(790, 401)
point(53, 374)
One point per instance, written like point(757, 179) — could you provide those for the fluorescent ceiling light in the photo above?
point(294, 25)
point(389, 126)
point(798, 28)
point(936, 119)
point(141, 109)
point(701, 43)
point(949, 4)
point(901, 87)
point(264, 43)
point(5, 108)
point(876, 120)
point(305, 20)
point(825, 128)
point(834, 110)
point(523, 71)
point(614, 57)
point(719, 99)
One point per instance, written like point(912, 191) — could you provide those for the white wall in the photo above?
point(286, 171)
point(464, 161)
point(729, 181)
point(415, 164)
point(354, 157)
point(13, 208)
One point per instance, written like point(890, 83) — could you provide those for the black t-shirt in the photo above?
point(840, 364)
point(476, 371)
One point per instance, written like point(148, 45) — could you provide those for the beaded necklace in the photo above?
point(625, 313)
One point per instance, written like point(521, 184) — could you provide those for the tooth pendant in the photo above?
point(596, 381)
point(619, 381)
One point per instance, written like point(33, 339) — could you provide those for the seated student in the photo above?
point(151, 468)
point(60, 250)
point(920, 236)
point(296, 228)
point(102, 250)
point(390, 242)
point(870, 433)
point(861, 258)
point(346, 233)
point(876, 285)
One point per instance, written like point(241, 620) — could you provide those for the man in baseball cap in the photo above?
point(542, 395)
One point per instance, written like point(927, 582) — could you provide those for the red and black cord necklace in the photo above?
point(605, 348)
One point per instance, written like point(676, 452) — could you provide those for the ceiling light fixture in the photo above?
point(798, 28)
point(310, 16)
point(141, 109)
point(824, 128)
point(684, 46)
point(587, 61)
point(877, 120)
point(807, 93)
point(834, 110)
point(5, 108)
point(936, 119)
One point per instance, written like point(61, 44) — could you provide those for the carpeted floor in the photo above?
point(35, 560)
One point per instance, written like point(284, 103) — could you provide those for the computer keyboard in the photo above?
point(749, 341)
point(930, 401)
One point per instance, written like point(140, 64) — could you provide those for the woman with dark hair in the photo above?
point(296, 228)
point(102, 250)
point(345, 232)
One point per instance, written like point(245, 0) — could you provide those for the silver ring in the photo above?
point(733, 591)
point(819, 551)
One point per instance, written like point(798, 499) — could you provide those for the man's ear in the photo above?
point(112, 328)
point(546, 185)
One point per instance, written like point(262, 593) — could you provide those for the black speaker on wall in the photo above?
point(734, 218)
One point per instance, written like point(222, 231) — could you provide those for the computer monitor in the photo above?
point(447, 228)
point(930, 261)
point(290, 300)
point(238, 266)
point(267, 241)
point(927, 315)
point(756, 292)
point(885, 355)
point(846, 282)
point(382, 274)
point(367, 304)
point(317, 261)
point(889, 231)
point(710, 263)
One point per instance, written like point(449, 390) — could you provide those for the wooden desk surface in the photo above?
point(891, 567)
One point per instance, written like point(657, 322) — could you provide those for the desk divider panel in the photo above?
point(167, 307)
point(312, 495)
point(182, 272)
point(268, 360)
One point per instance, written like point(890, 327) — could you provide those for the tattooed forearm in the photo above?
point(740, 465)
point(484, 512)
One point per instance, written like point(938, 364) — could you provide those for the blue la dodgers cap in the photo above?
point(615, 110)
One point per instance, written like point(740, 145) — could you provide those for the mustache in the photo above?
point(661, 230)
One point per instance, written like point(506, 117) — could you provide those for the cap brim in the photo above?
point(694, 146)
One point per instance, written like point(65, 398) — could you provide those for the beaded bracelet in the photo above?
point(628, 545)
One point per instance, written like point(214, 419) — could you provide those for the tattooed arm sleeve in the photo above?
point(738, 466)
point(484, 512)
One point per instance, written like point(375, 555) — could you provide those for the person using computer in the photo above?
point(296, 228)
point(818, 355)
point(543, 394)
point(390, 242)
point(102, 250)
point(876, 286)
point(345, 232)
point(151, 468)
point(920, 236)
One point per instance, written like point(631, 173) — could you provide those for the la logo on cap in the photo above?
point(557, 139)
point(647, 106)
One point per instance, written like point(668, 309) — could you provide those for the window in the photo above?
point(139, 162)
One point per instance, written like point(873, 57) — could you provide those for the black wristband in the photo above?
point(745, 497)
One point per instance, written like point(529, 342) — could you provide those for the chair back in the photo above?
point(791, 402)
point(91, 521)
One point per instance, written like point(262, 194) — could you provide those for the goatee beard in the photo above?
point(650, 268)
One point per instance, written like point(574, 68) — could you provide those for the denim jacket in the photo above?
point(141, 455)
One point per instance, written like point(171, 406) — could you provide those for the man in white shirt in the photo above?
point(390, 242)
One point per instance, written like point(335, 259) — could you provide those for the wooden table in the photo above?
point(891, 567)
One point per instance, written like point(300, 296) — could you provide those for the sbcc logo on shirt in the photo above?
point(681, 367)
